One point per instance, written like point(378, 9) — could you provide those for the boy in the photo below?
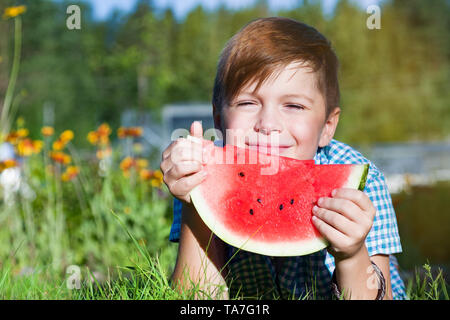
point(277, 81)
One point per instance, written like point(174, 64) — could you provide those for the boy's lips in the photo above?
point(267, 148)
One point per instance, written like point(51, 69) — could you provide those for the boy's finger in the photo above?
point(196, 129)
point(192, 151)
point(344, 206)
point(327, 231)
point(184, 168)
point(185, 185)
point(336, 220)
point(356, 196)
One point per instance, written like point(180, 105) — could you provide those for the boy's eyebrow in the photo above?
point(289, 95)
point(293, 95)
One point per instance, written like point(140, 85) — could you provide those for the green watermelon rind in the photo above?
point(356, 180)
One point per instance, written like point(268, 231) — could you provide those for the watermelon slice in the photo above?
point(269, 214)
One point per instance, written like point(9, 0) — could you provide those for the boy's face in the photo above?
point(286, 116)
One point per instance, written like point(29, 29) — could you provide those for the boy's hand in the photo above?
point(181, 164)
point(344, 220)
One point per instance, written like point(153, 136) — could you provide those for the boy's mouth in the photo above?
point(268, 148)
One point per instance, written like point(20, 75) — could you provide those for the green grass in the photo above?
point(151, 282)
point(147, 278)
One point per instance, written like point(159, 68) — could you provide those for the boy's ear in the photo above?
point(330, 127)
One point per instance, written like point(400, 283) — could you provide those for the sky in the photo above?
point(103, 8)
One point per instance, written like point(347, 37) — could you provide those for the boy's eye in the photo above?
point(244, 103)
point(295, 106)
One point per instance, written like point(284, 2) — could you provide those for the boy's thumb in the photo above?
point(196, 129)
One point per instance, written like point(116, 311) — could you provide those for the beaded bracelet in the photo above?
point(381, 283)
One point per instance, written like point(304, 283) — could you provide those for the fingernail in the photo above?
point(315, 208)
point(333, 193)
point(319, 202)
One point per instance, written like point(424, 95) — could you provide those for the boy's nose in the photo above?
point(268, 122)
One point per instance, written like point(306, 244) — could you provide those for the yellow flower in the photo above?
point(20, 122)
point(92, 137)
point(157, 174)
point(137, 147)
point(58, 145)
point(12, 12)
point(157, 178)
point(22, 133)
point(155, 183)
point(47, 131)
point(66, 136)
point(27, 147)
point(37, 144)
point(142, 163)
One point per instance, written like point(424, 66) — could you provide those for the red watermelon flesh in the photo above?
point(268, 214)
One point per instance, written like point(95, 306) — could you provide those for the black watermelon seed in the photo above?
point(281, 207)
point(292, 201)
point(251, 211)
point(259, 200)
point(241, 174)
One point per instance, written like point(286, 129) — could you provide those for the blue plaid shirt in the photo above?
point(259, 276)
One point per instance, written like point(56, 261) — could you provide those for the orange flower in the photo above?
point(12, 138)
point(100, 136)
point(63, 140)
point(104, 130)
point(104, 153)
point(47, 131)
point(8, 163)
point(60, 157)
point(127, 163)
point(124, 132)
point(70, 173)
point(27, 147)
point(145, 174)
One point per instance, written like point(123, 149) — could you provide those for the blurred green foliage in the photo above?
point(424, 225)
point(394, 80)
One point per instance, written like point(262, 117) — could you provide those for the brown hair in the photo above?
point(267, 44)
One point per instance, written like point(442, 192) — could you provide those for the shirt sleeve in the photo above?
point(384, 237)
point(174, 235)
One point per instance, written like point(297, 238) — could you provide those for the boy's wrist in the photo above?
point(361, 257)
